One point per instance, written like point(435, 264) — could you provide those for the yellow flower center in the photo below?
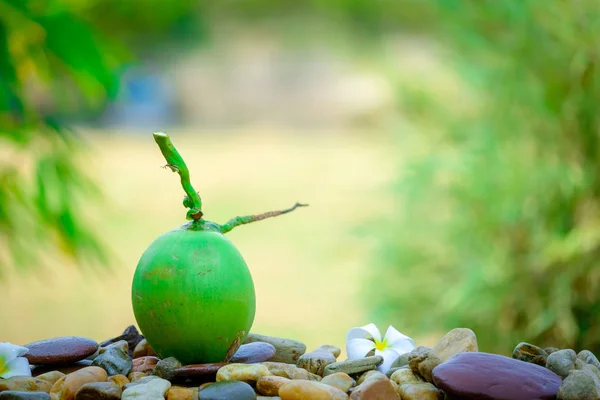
point(381, 345)
point(3, 366)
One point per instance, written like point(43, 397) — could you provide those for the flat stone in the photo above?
point(253, 353)
point(316, 361)
point(339, 380)
point(578, 386)
point(375, 387)
point(420, 391)
point(144, 364)
point(286, 350)
point(131, 335)
point(269, 385)
point(66, 387)
point(458, 340)
point(353, 367)
point(249, 373)
point(115, 360)
point(477, 375)
point(199, 370)
point(166, 368)
point(25, 384)
point(99, 391)
point(287, 370)
point(303, 390)
point(18, 395)
point(60, 350)
point(227, 390)
point(562, 362)
point(530, 353)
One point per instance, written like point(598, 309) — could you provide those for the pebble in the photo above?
point(477, 375)
point(166, 368)
point(269, 385)
point(286, 350)
point(99, 391)
point(135, 376)
point(253, 353)
point(375, 387)
point(367, 375)
point(227, 390)
point(198, 370)
point(143, 349)
point(182, 393)
point(19, 395)
point(60, 350)
point(115, 360)
point(562, 362)
point(121, 344)
point(65, 369)
point(420, 391)
point(131, 335)
point(120, 380)
point(339, 380)
point(458, 340)
point(25, 384)
point(151, 389)
point(588, 357)
point(51, 376)
point(302, 390)
point(578, 386)
point(66, 387)
point(144, 364)
point(352, 367)
point(287, 370)
point(316, 361)
point(243, 372)
point(530, 353)
point(423, 364)
point(404, 376)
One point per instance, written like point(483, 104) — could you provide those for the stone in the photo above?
point(458, 340)
point(269, 385)
point(135, 376)
point(120, 380)
point(530, 353)
point(227, 390)
point(401, 361)
point(19, 395)
point(588, 357)
point(590, 370)
point(141, 380)
point(367, 375)
point(286, 350)
point(151, 389)
point(198, 370)
point(352, 367)
point(166, 368)
point(143, 349)
point(249, 373)
point(144, 364)
point(420, 391)
point(253, 353)
point(182, 393)
point(562, 362)
point(405, 375)
point(121, 344)
point(66, 387)
point(302, 390)
point(25, 384)
point(65, 369)
point(423, 364)
point(99, 391)
point(51, 376)
point(478, 375)
point(339, 380)
point(131, 335)
point(114, 360)
point(550, 350)
point(268, 398)
point(377, 387)
point(287, 370)
point(578, 386)
point(60, 350)
point(316, 361)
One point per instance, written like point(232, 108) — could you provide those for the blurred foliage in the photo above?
point(497, 226)
point(60, 57)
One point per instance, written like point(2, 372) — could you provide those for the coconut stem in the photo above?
point(176, 164)
point(237, 221)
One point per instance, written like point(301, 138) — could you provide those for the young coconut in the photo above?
point(192, 293)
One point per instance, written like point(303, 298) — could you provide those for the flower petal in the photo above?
point(9, 351)
point(389, 356)
point(358, 348)
point(399, 341)
point(17, 367)
point(364, 332)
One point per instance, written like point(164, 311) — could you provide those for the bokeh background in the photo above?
point(449, 151)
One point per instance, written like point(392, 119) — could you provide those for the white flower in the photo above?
point(361, 341)
point(11, 362)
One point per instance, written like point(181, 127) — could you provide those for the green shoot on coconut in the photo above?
point(192, 293)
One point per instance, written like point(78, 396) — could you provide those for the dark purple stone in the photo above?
point(198, 370)
point(253, 353)
point(484, 376)
point(60, 350)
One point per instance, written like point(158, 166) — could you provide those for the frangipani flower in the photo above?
point(361, 341)
point(11, 362)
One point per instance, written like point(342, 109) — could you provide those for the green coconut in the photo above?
point(192, 292)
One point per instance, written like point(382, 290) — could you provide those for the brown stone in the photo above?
point(120, 380)
point(420, 391)
point(25, 384)
point(199, 370)
point(379, 387)
point(99, 391)
point(144, 364)
point(249, 373)
point(316, 361)
point(303, 390)
point(143, 349)
point(51, 376)
point(287, 370)
point(181, 393)
point(269, 385)
point(339, 380)
point(66, 387)
point(65, 369)
point(423, 364)
point(60, 350)
point(134, 376)
point(456, 341)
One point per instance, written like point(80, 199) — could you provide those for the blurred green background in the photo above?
point(449, 151)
